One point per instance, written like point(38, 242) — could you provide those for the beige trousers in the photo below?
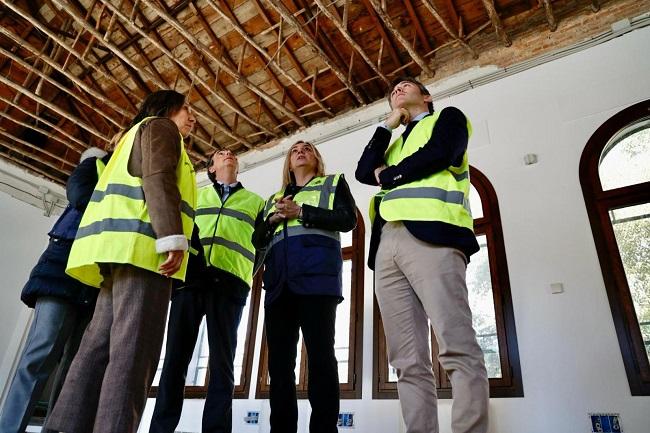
point(416, 281)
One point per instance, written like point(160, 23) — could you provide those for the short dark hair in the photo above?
point(423, 89)
point(163, 103)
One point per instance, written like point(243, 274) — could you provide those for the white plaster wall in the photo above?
point(570, 358)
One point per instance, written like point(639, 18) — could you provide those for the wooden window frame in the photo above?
point(352, 388)
point(510, 384)
point(598, 202)
point(242, 390)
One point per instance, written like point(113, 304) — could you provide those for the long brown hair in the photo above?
point(287, 177)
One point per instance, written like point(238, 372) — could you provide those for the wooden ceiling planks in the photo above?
point(74, 71)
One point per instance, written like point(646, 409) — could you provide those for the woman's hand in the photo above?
point(287, 208)
point(173, 263)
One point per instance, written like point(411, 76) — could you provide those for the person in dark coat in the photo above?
point(303, 282)
point(63, 306)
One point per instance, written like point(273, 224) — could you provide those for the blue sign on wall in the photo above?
point(605, 422)
point(346, 419)
point(252, 418)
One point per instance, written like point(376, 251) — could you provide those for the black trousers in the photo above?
point(316, 317)
point(223, 314)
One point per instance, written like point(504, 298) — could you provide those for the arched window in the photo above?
point(196, 381)
point(615, 179)
point(348, 342)
point(488, 287)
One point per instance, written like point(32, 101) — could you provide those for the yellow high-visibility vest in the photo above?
point(441, 196)
point(318, 192)
point(116, 227)
point(226, 230)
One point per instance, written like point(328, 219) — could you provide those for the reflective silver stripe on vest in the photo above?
point(459, 176)
point(133, 192)
point(453, 197)
point(326, 190)
point(116, 225)
point(228, 212)
point(269, 205)
point(218, 240)
point(187, 209)
point(301, 230)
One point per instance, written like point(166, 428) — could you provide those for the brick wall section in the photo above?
point(531, 36)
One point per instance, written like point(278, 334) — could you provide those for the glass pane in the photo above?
point(346, 239)
point(632, 230)
point(242, 333)
point(198, 367)
point(626, 158)
point(475, 203)
point(342, 330)
point(481, 301)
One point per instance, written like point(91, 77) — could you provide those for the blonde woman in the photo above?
point(302, 278)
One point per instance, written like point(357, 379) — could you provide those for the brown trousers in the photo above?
point(106, 388)
point(417, 282)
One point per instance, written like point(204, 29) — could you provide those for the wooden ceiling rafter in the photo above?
point(348, 37)
point(281, 9)
point(52, 107)
point(312, 26)
point(550, 16)
point(47, 60)
point(230, 17)
point(283, 48)
point(417, 58)
point(386, 40)
point(419, 31)
point(28, 166)
point(152, 78)
point(496, 22)
point(432, 9)
point(44, 121)
point(39, 150)
point(194, 42)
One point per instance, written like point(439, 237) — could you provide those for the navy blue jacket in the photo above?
point(48, 278)
point(308, 264)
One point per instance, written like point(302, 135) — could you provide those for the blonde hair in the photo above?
point(286, 170)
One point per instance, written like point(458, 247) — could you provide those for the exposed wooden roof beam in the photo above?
point(392, 50)
point(72, 138)
point(31, 146)
point(28, 166)
point(226, 68)
point(135, 38)
point(341, 75)
point(432, 8)
point(418, 26)
point(550, 16)
point(422, 63)
point(147, 74)
point(55, 83)
point(102, 70)
point(496, 22)
point(226, 14)
point(52, 107)
point(348, 37)
point(595, 5)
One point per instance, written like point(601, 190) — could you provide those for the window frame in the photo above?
point(510, 384)
point(598, 203)
point(242, 390)
point(352, 389)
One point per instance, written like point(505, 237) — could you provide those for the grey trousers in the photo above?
point(417, 282)
point(106, 388)
point(54, 337)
